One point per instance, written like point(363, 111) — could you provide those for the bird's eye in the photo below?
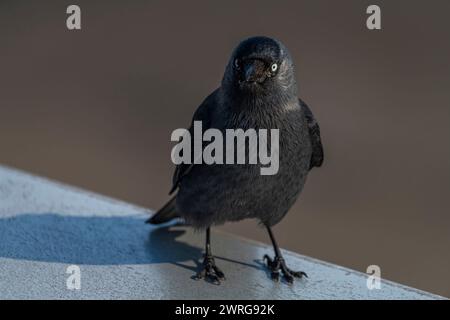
point(274, 67)
point(236, 63)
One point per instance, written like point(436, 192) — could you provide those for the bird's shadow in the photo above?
point(91, 240)
point(94, 240)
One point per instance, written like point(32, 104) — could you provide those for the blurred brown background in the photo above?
point(95, 108)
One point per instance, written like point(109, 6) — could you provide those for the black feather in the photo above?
point(314, 135)
point(165, 214)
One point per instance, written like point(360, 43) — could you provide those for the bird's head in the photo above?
point(259, 66)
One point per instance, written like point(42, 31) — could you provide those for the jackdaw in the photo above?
point(258, 90)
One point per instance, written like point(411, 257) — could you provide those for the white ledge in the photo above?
point(46, 226)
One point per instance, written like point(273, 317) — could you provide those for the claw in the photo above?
point(278, 264)
point(298, 274)
point(219, 272)
point(210, 271)
point(275, 276)
point(200, 275)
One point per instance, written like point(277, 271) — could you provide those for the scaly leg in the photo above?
point(210, 271)
point(277, 263)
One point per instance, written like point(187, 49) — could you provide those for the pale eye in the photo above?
point(236, 63)
point(274, 67)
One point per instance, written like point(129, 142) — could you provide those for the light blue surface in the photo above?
point(46, 226)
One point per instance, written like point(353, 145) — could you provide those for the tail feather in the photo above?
point(166, 213)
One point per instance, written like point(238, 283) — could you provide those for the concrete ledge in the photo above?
point(46, 226)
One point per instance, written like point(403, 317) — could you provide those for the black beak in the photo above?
point(254, 71)
point(249, 73)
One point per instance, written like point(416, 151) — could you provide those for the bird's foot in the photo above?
point(278, 264)
point(210, 272)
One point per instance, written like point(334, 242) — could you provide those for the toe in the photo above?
point(213, 278)
point(210, 272)
point(298, 274)
point(267, 260)
point(200, 275)
point(219, 273)
point(288, 278)
point(275, 276)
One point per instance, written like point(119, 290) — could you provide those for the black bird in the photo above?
point(258, 90)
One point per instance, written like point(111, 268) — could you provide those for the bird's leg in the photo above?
point(210, 271)
point(278, 264)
